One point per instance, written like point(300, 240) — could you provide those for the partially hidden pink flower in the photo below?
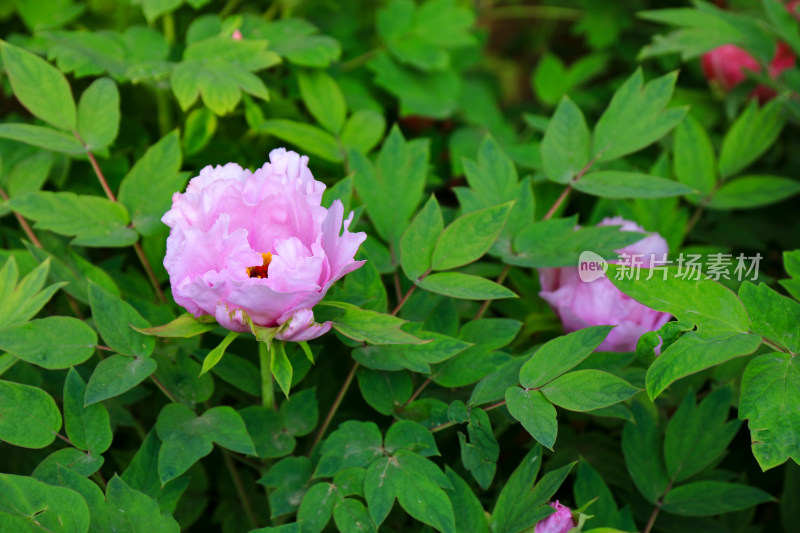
point(726, 67)
point(237, 35)
point(559, 522)
point(257, 246)
point(580, 304)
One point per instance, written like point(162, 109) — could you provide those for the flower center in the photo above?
point(260, 271)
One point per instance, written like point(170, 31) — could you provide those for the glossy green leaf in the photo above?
point(616, 184)
point(566, 143)
point(363, 130)
point(88, 427)
point(641, 447)
point(708, 498)
point(148, 187)
point(40, 87)
point(185, 325)
point(309, 139)
point(216, 354)
point(43, 137)
point(28, 416)
point(419, 240)
point(748, 192)
point(55, 508)
point(750, 136)
point(117, 374)
point(636, 116)
point(52, 342)
point(695, 163)
point(535, 413)
point(323, 99)
point(464, 286)
point(468, 237)
point(560, 355)
point(99, 114)
point(114, 318)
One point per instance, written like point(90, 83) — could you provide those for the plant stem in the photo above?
point(357, 61)
point(166, 391)
point(136, 246)
point(652, 520)
point(334, 407)
point(558, 202)
point(237, 482)
point(265, 361)
point(772, 344)
point(446, 425)
point(408, 294)
point(500, 279)
point(417, 392)
point(22, 222)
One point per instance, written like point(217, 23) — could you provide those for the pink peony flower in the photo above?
point(558, 522)
point(258, 246)
point(725, 66)
point(237, 35)
point(580, 304)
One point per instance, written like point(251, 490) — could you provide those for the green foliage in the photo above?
point(477, 144)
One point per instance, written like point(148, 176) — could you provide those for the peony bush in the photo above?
point(402, 266)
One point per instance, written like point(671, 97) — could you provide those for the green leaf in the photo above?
point(185, 438)
point(557, 242)
point(289, 478)
point(566, 142)
point(352, 444)
point(117, 374)
point(469, 236)
point(464, 286)
point(772, 315)
point(89, 427)
point(128, 508)
point(148, 187)
point(323, 99)
point(591, 489)
point(73, 459)
point(518, 507)
point(316, 508)
point(94, 221)
point(308, 138)
point(535, 413)
point(560, 355)
point(415, 357)
point(54, 508)
point(411, 436)
point(616, 184)
point(266, 429)
point(43, 137)
point(216, 354)
point(419, 240)
point(770, 401)
point(392, 187)
point(695, 164)
point(295, 39)
point(155, 8)
point(185, 326)
point(696, 436)
point(280, 367)
point(584, 390)
point(40, 87)
point(371, 327)
point(430, 94)
point(384, 391)
point(641, 447)
point(363, 130)
point(99, 114)
point(201, 124)
point(22, 301)
point(114, 318)
point(751, 135)
point(748, 192)
point(708, 498)
point(350, 516)
point(695, 351)
point(704, 302)
point(636, 116)
point(28, 416)
point(480, 454)
point(470, 516)
point(52, 342)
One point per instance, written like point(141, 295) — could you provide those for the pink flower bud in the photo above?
point(580, 304)
point(726, 64)
point(237, 35)
point(258, 246)
point(558, 522)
